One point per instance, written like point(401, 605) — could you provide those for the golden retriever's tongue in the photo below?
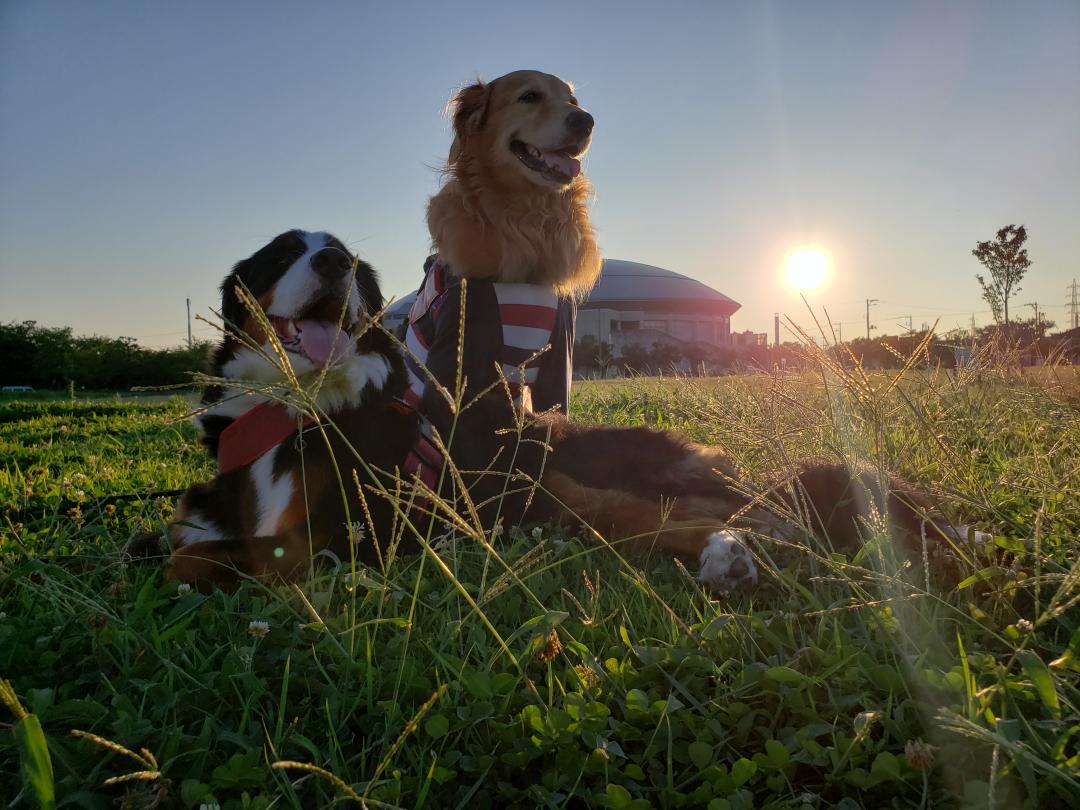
point(569, 166)
point(322, 342)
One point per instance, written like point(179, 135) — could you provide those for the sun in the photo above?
point(806, 268)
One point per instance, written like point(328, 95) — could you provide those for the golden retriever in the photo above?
point(514, 205)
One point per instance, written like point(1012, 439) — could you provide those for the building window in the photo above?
point(683, 330)
point(706, 332)
point(629, 326)
point(660, 326)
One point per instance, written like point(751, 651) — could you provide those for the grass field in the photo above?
point(557, 672)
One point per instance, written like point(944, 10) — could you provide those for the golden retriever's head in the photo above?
point(524, 128)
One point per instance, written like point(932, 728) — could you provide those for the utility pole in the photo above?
point(776, 329)
point(1038, 323)
point(840, 331)
point(188, 322)
point(910, 329)
point(869, 301)
point(1073, 305)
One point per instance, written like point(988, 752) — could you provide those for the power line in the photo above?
point(1073, 305)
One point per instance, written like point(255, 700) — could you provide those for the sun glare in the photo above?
point(806, 268)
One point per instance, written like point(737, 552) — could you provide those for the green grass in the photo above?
point(586, 678)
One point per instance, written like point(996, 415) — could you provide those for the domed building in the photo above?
point(636, 302)
point(639, 303)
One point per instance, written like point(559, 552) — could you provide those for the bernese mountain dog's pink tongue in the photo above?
point(322, 342)
point(569, 166)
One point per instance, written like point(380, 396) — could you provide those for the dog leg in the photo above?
point(690, 529)
point(222, 563)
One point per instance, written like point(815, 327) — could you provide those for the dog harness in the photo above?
point(526, 330)
point(424, 461)
point(267, 425)
point(255, 433)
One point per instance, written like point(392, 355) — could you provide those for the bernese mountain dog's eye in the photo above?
point(529, 97)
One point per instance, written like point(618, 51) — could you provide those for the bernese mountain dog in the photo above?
point(319, 450)
point(285, 488)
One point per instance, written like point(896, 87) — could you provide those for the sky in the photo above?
point(147, 147)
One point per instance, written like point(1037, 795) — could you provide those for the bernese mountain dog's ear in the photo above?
point(468, 109)
point(232, 308)
point(370, 292)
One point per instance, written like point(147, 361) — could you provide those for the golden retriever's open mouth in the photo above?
point(321, 342)
point(559, 165)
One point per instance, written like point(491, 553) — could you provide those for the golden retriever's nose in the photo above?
point(579, 123)
point(330, 264)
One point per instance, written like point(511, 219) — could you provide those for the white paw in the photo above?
point(961, 531)
point(726, 563)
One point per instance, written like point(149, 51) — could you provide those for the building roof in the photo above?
point(632, 285)
point(627, 285)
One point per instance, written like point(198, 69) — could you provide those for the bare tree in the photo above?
point(605, 358)
point(1007, 260)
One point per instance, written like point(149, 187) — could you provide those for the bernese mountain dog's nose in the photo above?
point(579, 123)
point(330, 263)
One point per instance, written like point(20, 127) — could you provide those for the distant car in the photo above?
point(17, 388)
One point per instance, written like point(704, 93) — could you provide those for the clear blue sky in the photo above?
point(145, 146)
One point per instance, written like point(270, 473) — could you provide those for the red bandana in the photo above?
point(255, 434)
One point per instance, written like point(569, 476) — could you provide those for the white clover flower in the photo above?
point(205, 806)
point(78, 478)
point(183, 588)
point(258, 628)
point(537, 532)
point(359, 531)
point(1024, 626)
point(919, 755)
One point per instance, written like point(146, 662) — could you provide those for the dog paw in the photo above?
point(146, 547)
point(726, 563)
point(962, 532)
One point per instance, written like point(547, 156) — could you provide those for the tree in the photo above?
point(635, 357)
point(696, 355)
point(49, 357)
point(605, 358)
point(1007, 260)
point(584, 352)
point(664, 356)
point(1025, 332)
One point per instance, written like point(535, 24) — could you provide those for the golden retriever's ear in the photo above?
point(469, 109)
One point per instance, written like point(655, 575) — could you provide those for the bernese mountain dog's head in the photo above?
point(320, 301)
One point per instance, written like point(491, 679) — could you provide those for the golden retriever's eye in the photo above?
point(529, 97)
point(573, 101)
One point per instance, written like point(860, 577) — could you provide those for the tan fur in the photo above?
point(491, 219)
